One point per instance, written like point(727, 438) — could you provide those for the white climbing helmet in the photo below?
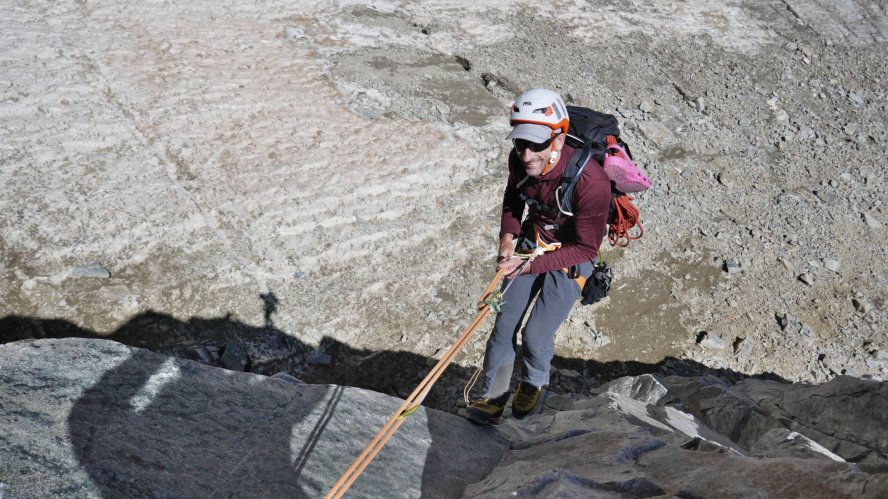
point(538, 106)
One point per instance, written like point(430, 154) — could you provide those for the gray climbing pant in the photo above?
point(556, 294)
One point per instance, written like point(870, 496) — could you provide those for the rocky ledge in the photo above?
point(89, 417)
point(699, 437)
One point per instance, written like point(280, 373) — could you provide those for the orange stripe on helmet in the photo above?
point(561, 125)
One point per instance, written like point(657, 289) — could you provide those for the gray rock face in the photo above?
point(848, 409)
point(710, 439)
point(234, 358)
point(846, 416)
point(96, 418)
point(89, 418)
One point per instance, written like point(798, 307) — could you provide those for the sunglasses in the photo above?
point(521, 145)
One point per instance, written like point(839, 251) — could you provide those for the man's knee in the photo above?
point(540, 347)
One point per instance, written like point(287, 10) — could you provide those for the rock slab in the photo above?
point(91, 418)
point(696, 437)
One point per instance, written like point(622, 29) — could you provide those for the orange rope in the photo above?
point(413, 401)
point(627, 217)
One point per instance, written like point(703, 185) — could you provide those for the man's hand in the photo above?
point(506, 259)
point(511, 266)
point(506, 248)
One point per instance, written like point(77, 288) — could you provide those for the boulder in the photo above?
point(644, 388)
point(234, 357)
point(89, 418)
point(849, 409)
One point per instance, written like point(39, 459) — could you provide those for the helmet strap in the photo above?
point(553, 158)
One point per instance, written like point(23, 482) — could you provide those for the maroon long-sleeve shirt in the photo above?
point(580, 235)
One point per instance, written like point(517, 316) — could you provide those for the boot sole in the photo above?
point(483, 419)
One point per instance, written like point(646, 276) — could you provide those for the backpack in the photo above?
point(596, 135)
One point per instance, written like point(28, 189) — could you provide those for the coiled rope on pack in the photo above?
point(411, 404)
point(627, 217)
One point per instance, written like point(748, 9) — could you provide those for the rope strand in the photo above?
point(413, 401)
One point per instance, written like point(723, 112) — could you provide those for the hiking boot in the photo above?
point(487, 410)
point(526, 399)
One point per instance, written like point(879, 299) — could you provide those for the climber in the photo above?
point(568, 249)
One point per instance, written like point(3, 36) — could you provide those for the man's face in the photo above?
point(534, 157)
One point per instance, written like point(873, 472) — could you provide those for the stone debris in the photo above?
point(872, 221)
point(204, 354)
point(645, 388)
point(700, 104)
point(807, 133)
point(878, 359)
point(831, 264)
point(710, 341)
point(731, 266)
point(726, 178)
point(94, 269)
point(626, 442)
point(825, 196)
point(320, 358)
point(738, 344)
point(593, 336)
point(234, 357)
point(788, 323)
point(657, 133)
point(861, 305)
point(830, 364)
point(807, 278)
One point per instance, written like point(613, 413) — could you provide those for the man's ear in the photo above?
point(559, 141)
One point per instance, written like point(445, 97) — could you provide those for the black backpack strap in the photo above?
point(536, 205)
point(569, 179)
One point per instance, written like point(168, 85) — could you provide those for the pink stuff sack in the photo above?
point(623, 171)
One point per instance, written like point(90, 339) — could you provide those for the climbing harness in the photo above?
point(412, 403)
